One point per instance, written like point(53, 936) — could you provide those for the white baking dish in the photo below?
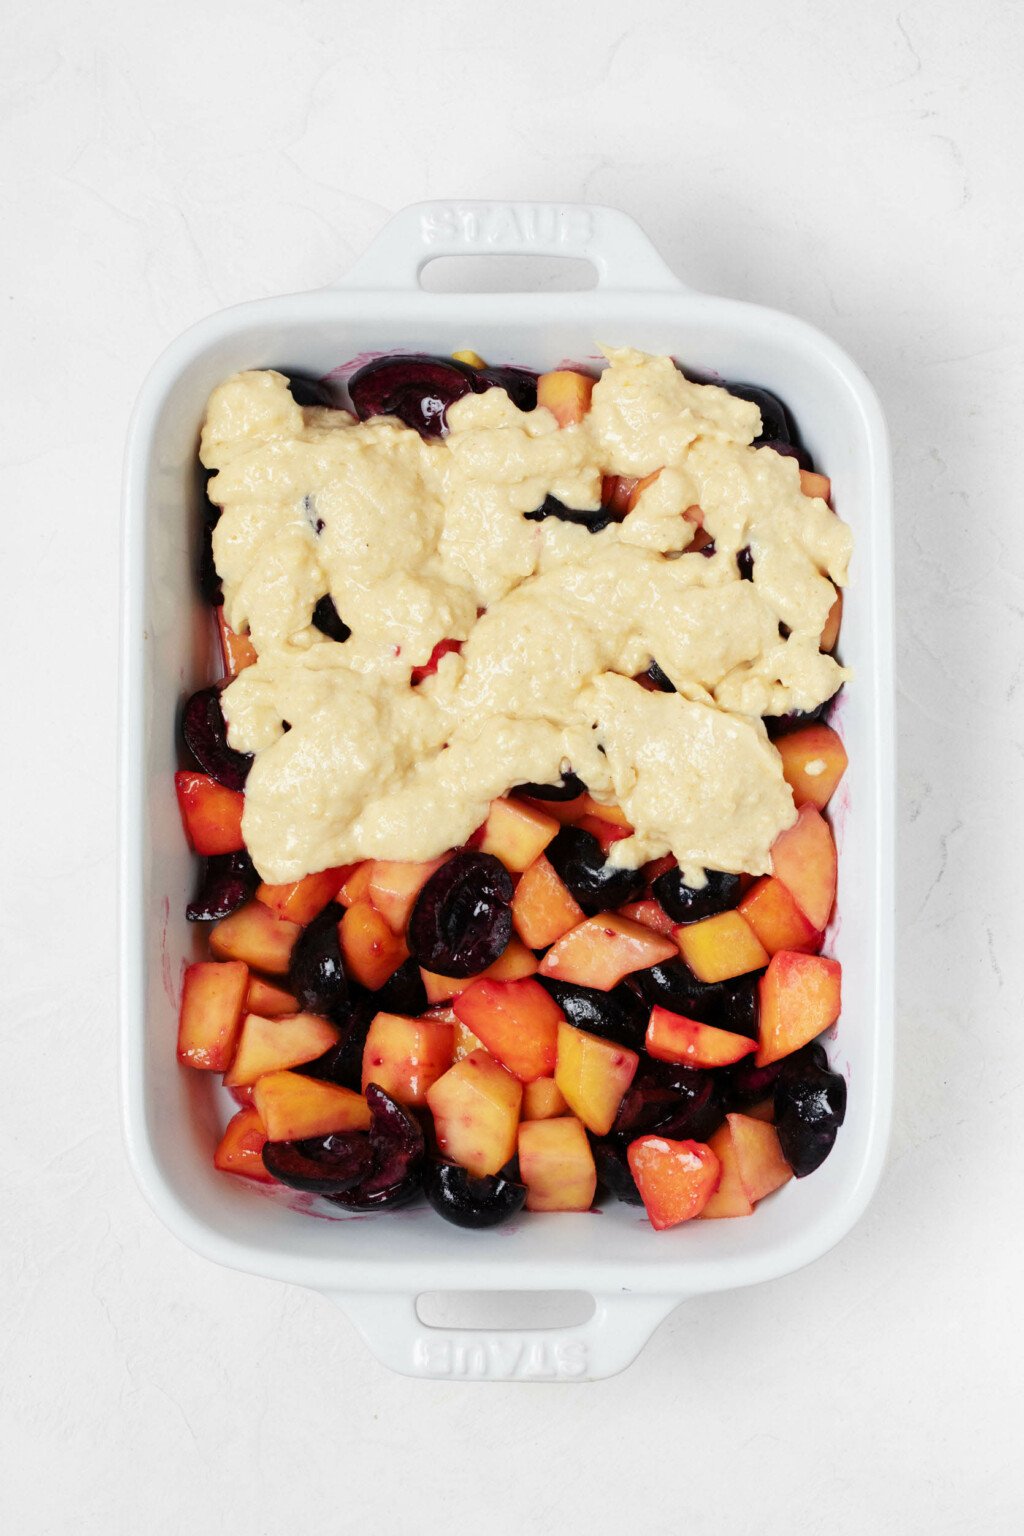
point(377, 1267)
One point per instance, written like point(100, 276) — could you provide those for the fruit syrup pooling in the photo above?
point(503, 1026)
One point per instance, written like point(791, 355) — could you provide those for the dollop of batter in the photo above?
point(419, 541)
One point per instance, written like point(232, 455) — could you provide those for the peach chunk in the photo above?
point(212, 999)
point(651, 914)
point(720, 947)
point(776, 919)
point(240, 1149)
point(263, 997)
point(302, 900)
point(672, 1037)
point(813, 762)
point(613, 813)
point(812, 484)
point(292, 1107)
point(759, 1160)
point(556, 1165)
point(517, 1021)
point(393, 887)
point(565, 812)
point(543, 1100)
point(516, 961)
point(238, 650)
point(730, 1198)
point(371, 951)
point(616, 491)
point(607, 832)
point(566, 394)
point(516, 833)
point(592, 1075)
point(255, 935)
point(543, 908)
point(269, 1045)
point(210, 814)
point(356, 884)
point(639, 488)
point(804, 859)
point(800, 995)
point(475, 1106)
point(602, 950)
point(406, 1056)
point(833, 623)
point(465, 1040)
point(676, 1179)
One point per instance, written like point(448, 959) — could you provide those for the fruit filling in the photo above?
point(513, 800)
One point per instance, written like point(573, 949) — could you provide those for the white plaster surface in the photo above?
point(858, 164)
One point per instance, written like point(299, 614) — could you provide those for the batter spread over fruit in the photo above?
point(492, 537)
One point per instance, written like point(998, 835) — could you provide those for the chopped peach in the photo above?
point(293, 1107)
point(371, 951)
point(270, 1045)
point(813, 762)
point(543, 1100)
point(616, 491)
point(613, 813)
point(672, 1037)
point(764, 1109)
point(465, 1040)
point(650, 914)
point(517, 1021)
point(592, 1075)
point(242, 1094)
point(212, 999)
point(543, 908)
point(263, 997)
point(759, 1160)
point(812, 484)
point(240, 1149)
point(516, 961)
point(720, 947)
point(475, 1106)
point(804, 859)
point(776, 919)
point(730, 1198)
point(556, 1165)
point(639, 488)
point(676, 1179)
point(210, 814)
point(406, 1056)
point(517, 833)
point(255, 935)
point(602, 950)
point(393, 887)
point(356, 884)
point(833, 623)
point(564, 812)
point(606, 832)
point(566, 394)
point(801, 995)
point(302, 900)
point(238, 650)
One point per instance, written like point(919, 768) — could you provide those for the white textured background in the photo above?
point(858, 164)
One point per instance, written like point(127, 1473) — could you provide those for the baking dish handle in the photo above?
point(605, 1344)
point(610, 240)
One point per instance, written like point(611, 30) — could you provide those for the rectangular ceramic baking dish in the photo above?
point(377, 1267)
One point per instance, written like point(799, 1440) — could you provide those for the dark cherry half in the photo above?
point(689, 903)
point(613, 1171)
point(568, 788)
point(317, 973)
point(462, 920)
point(664, 1091)
point(593, 521)
point(415, 388)
point(618, 1015)
point(328, 620)
point(396, 1141)
point(306, 391)
point(518, 383)
point(470, 1201)
point(810, 1106)
point(206, 736)
point(579, 861)
point(228, 882)
point(660, 679)
point(323, 1165)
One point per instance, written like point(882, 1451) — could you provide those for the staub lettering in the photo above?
point(503, 1359)
point(522, 224)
